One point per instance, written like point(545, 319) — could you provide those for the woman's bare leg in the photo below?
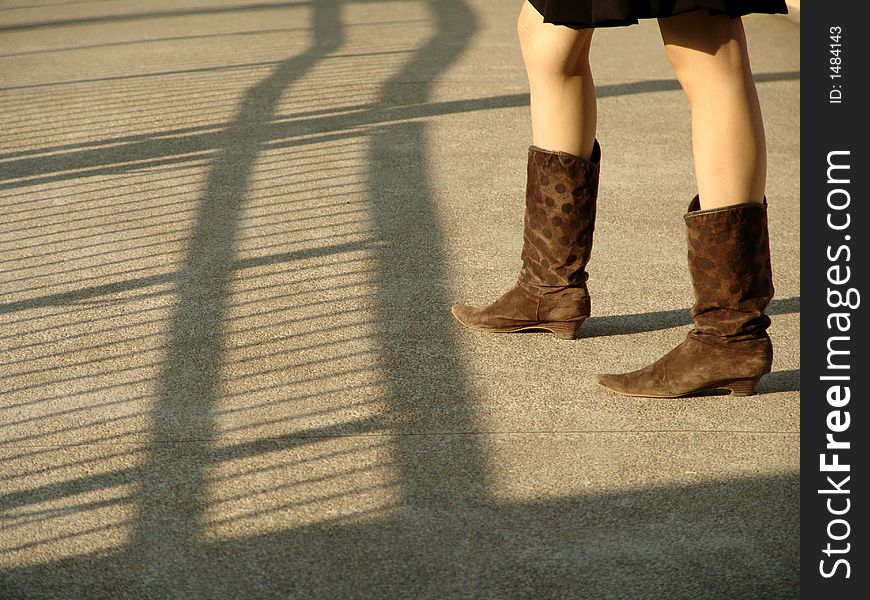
point(710, 59)
point(562, 92)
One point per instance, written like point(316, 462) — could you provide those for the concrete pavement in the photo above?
point(231, 233)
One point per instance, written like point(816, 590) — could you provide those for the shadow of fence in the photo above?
point(298, 424)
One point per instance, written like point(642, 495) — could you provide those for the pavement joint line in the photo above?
point(190, 12)
point(413, 434)
point(143, 75)
point(217, 35)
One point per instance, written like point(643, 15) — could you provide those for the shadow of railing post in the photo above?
point(168, 533)
point(419, 348)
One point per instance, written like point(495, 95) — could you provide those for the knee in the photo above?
point(696, 69)
point(551, 51)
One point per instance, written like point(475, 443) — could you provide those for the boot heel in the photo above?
point(564, 330)
point(743, 387)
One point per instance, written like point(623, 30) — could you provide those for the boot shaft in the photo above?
point(729, 264)
point(561, 193)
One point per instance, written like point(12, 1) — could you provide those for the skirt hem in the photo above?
point(560, 14)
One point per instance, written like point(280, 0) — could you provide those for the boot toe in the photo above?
point(464, 313)
point(461, 311)
point(644, 383)
point(614, 383)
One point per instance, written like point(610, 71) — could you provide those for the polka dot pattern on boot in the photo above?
point(729, 262)
point(560, 220)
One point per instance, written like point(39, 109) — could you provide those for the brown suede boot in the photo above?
point(729, 263)
point(550, 292)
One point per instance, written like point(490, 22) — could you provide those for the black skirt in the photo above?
point(579, 14)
